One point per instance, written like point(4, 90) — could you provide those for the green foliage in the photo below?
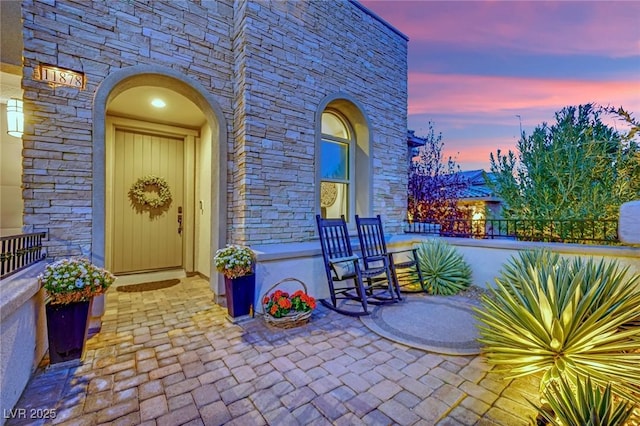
point(513, 271)
point(578, 168)
point(588, 405)
point(444, 270)
point(566, 318)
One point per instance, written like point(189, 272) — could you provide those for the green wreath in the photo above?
point(139, 192)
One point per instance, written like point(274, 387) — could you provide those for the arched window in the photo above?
point(337, 165)
point(344, 159)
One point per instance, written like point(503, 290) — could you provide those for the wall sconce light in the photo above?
point(15, 117)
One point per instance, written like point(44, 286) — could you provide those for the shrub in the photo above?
point(573, 319)
point(588, 405)
point(512, 271)
point(444, 270)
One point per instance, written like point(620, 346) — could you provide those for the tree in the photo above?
point(435, 186)
point(578, 168)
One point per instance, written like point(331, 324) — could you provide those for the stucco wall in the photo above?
point(268, 65)
point(203, 255)
point(23, 334)
point(486, 259)
point(10, 179)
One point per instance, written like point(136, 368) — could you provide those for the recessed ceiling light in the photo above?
point(158, 103)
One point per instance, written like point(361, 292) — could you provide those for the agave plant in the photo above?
point(564, 318)
point(443, 268)
point(588, 405)
point(528, 258)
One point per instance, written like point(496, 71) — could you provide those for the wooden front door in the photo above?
point(146, 239)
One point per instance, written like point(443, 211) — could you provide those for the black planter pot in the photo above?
point(67, 327)
point(240, 294)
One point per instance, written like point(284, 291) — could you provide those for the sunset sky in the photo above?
point(474, 66)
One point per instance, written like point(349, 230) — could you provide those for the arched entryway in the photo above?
point(129, 144)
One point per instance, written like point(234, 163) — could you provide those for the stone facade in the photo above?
point(269, 65)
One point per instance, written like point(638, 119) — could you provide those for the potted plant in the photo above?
point(236, 263)
point(70, 285)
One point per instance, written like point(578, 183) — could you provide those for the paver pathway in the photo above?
point(169, 357)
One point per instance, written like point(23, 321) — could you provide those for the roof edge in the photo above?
point(373, 15)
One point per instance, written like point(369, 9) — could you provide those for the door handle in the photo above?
point(179, 220)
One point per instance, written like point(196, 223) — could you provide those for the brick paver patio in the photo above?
point(169, 357)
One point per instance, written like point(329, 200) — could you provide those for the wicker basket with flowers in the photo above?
point(288, 310)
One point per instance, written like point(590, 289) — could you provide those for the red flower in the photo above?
point(280, 303)
point(284, 303)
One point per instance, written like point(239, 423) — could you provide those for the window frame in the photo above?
point(351, 158)
point(354, 113)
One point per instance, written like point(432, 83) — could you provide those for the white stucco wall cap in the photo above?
point(579, 249)
point(270, 252)
point(17, 289)
point(275, 252)
point(593, 250)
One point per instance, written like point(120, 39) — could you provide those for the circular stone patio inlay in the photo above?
point(441, 324)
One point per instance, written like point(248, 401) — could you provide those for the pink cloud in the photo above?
point(552, 27)
point(461, 148)
point(485, 95)
point(473, 154)
point(477, 113)
point(461, 103)
point(463, 151)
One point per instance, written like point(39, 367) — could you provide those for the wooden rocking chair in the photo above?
point(342, 266)
point(403, 264)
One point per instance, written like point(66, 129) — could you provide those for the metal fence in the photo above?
point(20, 251)
point(587, 231)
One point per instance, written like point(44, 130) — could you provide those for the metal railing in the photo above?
point(583, 231)
point(20, 251)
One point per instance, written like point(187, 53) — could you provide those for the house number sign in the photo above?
point(60, 77)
